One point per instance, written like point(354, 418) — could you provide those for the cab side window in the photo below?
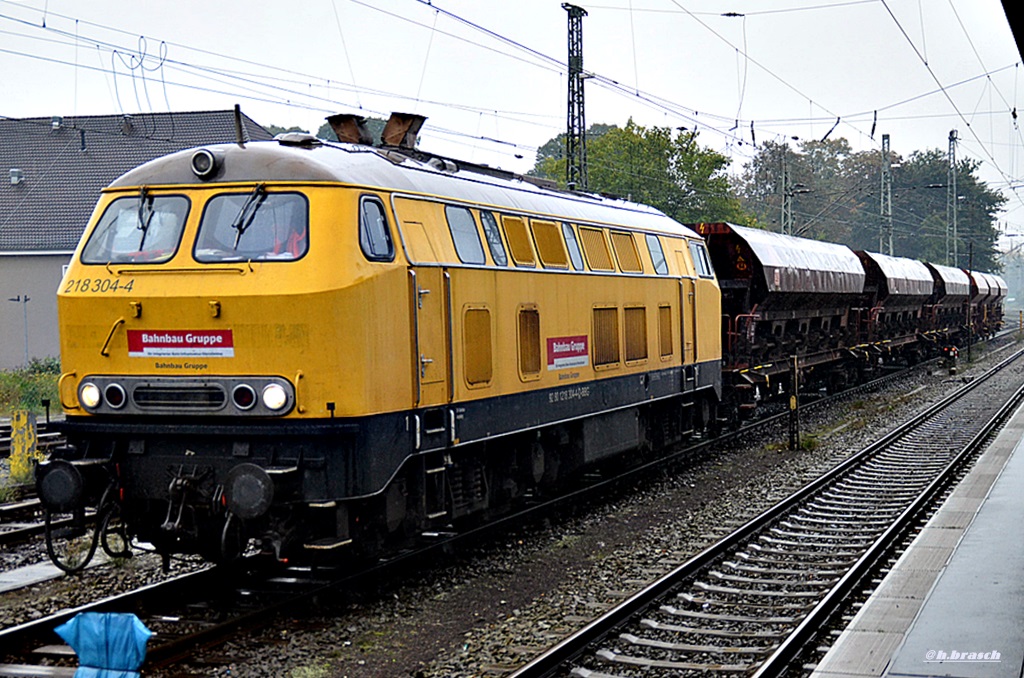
point(574, 247)
point(701, 260)
point(493, 235)
point(374, 234)
point(464, 235)
point(657, 254)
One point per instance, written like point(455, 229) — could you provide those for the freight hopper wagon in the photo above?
point(890, 315)
point(329, 348)
point(994, 308)
point(782, 296)
point(945, 310)
point(988, 291)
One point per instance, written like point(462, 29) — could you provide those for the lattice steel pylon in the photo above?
point(787, 198)
point(951, 231)
point(576, 127)
point(885, 228)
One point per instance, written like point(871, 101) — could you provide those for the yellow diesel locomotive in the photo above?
point(329, 346)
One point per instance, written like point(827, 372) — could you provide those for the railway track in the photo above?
point(20, 521)
point(180, 626)
point(45, 438)
point(201, 609)
point(749, 604)
point(172, 611)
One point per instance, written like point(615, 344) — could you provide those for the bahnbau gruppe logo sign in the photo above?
point(564, 352)
point(181, 344)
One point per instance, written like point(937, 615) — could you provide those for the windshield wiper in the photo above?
point(248, 212)
point(146, 213)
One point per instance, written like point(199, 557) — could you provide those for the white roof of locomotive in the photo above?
point(401, 171)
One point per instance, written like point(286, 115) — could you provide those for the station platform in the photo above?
point(29, 575)
point(953, 604)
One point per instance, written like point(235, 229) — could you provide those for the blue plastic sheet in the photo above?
point(108, 644)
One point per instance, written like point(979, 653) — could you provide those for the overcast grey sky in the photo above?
point(490, 74)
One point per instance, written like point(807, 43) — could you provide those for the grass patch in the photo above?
point(26, 387)
point(568, 541)
point(321, 670)
point(7, 493)
point(808, 442)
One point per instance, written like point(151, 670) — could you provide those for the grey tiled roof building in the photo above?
point(52, 169)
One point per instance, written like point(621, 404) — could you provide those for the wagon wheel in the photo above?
point(71, 539)
point(114, 533)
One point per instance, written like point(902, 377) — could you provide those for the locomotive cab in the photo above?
point(194, 315)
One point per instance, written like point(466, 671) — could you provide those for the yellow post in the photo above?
point(23, 446)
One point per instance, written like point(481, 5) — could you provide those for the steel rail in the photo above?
point(779, 661)
point(16, 635)
point(570, 647)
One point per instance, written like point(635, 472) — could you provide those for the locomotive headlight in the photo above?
point(243, 396)
point(89, 395)
point(115, 395)
point(205, 162)
point(274, 397)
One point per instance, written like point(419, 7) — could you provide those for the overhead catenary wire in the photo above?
point(344, 47)
point(763, 12)
point(949, 98)
point(290, 94)
point(544, 58)
point(553, 64)
point(255, 87)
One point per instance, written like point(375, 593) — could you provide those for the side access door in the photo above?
point(430, 294)
point(687, 310)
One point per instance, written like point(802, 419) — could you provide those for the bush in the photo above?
point(25, 388)
point(49, 365)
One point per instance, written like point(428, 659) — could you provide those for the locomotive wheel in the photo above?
point(71, 540)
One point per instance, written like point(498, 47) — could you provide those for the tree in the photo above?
point(374, 125)
point(835, 195)
point(554, 149)
point(826, 186)
point(920, 199)
point(275, 130)
point(653, 166)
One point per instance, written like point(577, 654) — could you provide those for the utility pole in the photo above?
point(23, 299)
point(794, 403)
point(885, 229)
point(576, 127)
point(952, 249)
point(788, 191)
point(970, 314)
point(787, 198)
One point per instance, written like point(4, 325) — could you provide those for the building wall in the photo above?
point(36, 276)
